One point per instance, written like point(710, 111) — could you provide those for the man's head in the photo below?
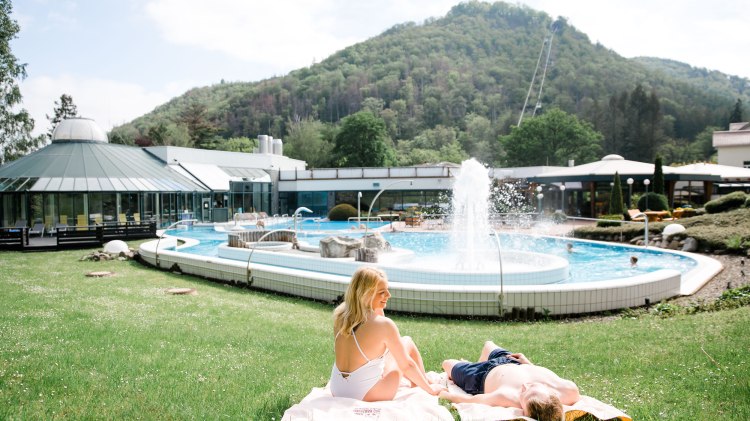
point(540, 402)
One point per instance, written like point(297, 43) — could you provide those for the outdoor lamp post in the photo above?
point(646, 182)
point(562, 193)
point(630, 192)
point(539, 197)
point(359, 198)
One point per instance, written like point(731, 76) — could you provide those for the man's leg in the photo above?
point(448, 366)
point(488, 347)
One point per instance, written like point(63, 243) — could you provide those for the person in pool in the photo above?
point(502, 378)
point(371, 356)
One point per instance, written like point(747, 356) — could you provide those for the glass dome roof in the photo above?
point(79, 129)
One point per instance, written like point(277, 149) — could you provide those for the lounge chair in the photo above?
point(21, 223)
point(82, 222)
point(59, 227)
point(136, 217)
point(122, 218)
point(633, 212)
point(38, 228)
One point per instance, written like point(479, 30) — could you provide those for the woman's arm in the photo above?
point(411, 370)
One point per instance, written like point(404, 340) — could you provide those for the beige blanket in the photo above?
point(481, 412)
point(410, 404)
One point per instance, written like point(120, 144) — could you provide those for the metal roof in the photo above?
point(86, 166)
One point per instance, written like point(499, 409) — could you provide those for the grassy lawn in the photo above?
point(74, 347)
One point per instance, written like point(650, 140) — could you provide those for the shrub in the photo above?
point(656, 202)
point(747, 202)
point(342, 212)
point(612, 221)
point(727, 202)
point(559, 218)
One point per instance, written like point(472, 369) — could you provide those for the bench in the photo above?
point(413, 221)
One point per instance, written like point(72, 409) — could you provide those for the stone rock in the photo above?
point(376, 241)
point(116, 247)
point(339, 246)
point(672, 229)
point(674, 245)
point(691, 245)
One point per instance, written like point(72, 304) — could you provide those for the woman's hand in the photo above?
point(437, 389)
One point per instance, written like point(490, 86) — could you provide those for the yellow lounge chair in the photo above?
point(82, 222)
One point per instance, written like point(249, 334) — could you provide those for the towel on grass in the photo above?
point(409, 404)
point(481, 412)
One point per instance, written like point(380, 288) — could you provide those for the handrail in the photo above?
point(262, 237)
point(500, 260)
point(173, 224)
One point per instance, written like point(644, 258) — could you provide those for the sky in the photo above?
point(120, 59)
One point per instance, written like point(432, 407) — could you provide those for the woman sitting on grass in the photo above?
point(371, 355)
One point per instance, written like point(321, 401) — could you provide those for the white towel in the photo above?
point(409, 404)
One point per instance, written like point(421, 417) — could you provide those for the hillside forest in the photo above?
point(454, 87)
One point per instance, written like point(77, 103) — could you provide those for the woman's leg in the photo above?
point(413, 351)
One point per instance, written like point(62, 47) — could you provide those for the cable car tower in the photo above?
point(548, 44)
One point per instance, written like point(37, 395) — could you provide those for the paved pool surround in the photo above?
point(306, 274)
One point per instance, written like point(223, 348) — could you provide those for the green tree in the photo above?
point(658, 176)
point(308, 140)
point(615, 199)
point(15, 125)
point(362, 142)
point(551, 139)
point(736, 115)
point(65, 108)
point(201, 131)
point(237, 144)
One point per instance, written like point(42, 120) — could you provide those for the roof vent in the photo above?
point(613, 157)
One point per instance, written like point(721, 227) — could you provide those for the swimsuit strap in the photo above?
point(360, 349)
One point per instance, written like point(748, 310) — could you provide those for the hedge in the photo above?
point(342, 212)
point(656, 202)
point(734, 200)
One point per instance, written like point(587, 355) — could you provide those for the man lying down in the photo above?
point(501, 378)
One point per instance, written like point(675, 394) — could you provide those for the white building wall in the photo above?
point(735, 156)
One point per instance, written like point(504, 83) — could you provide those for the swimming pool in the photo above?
point(589, 261)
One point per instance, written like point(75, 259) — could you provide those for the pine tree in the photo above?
point(65, 108)
point(15, 125)
point(658, 176)
point(615, 199)
point(736, 115)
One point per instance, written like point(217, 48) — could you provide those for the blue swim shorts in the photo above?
point(470, 376)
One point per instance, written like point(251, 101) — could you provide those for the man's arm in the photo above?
point(495, 398)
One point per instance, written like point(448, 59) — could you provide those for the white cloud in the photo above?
point(108, 102)
point(287, 34)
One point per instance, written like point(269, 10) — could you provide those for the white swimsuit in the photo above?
point(356, 384)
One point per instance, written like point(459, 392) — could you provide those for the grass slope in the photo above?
point(73, 347)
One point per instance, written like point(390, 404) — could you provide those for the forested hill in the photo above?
point(450, 88)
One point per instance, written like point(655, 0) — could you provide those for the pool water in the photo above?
point(589, 261)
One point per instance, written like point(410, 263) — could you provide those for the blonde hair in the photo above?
point(357, 303)
point(549, 409)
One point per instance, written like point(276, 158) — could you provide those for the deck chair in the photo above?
point(64, 220)
point(82, 222)
point(49, 222)
point(137, 217)
point(122, 218)
point(21, 223)
point(633, 213)
point(38, 228)
point(98, 219)
point(58, 227)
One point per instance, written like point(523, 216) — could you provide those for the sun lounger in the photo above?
point(37, 229)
